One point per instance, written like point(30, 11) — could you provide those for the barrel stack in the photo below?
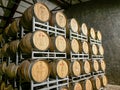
point(46, 50)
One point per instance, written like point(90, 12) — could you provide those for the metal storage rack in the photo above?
point(49, 83)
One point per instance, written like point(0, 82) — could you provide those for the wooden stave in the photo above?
point(53, 19)
point(26, 19)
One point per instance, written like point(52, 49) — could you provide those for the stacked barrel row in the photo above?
point(39, 70)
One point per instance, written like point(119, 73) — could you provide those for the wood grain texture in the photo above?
point(75, 45)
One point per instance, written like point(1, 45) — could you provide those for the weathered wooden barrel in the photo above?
point(99, 35)
point(14, 28)
point(75, 68)
point(87, 85)
point(13, 47)
point(104, 80)
point(96, 83)
point(84, 29)
point(11, 70)
point(92, 33)
point(73, 25)
point(2, 85)
point(38, 70)
point(58, 19)
point(85, 47)
point(39, 10)
point(86, 68)
point(68, 48)
point(95, 65)
point(38, 40)
point(4, 49)
point(1, 38)
point(101, 50)
point(102, 65)
point(75, 46)
point(64, 88)
point(76, 86)
point(2, 68)
point(9, 87)
point(59, 68)
point(58, 43)
point(93, 49)
point(5, 33)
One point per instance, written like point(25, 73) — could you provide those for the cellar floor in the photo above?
point(113, 87)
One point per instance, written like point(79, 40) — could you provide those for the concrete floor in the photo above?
point(113, 87)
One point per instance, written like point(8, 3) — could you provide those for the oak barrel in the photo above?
point(75, 68)
point(38, 40)
point(2, 67)
point(11, 70)
point(95, 65)
point(104, 80)
point(99, 35)
point(75, 46)
point(84, 29)
point(59, 68)
point(87, 85)
point(94, 49)
point(13, 47)
point(73, 25)
point(96, 83)
point(64, 88)
point(85, 47)
point(101, 50)
point(58, 43)
point(4, 49)
point(86, 68)
point(14, 28)
point(76, 86)
point(102, 65)
point(5, 33)
point(92, 33)
point(37, 70)
point(39, 10)
point(2, 85)
point(58, 19)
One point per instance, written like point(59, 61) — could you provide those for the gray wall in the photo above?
point(103, 16)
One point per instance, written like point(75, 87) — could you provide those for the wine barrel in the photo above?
point(38, 70)
point(5, 33)
point(39, 10)
point(92, 33)
point(59, 68)
point(76, 86)
point(96, 83)
point(99, 35)
point(11, 70)
point(14, 28)
point(102, 65)
point(13, 47)
point(75, 68)
point(9, 87)
point(84, 29)
point(104, 80)
point(58, 43)
point(38, 40)
point(85, 47)
point(73, 25)
point(87, 85)
point(2, 68)
point(101, 50)
point(2, 85)
point(58, 19)
point(86, 68)
point(94, 50)
point(1, 38)
point(4, 49)
point(68, 48)
point(75, 46)
point(95, 65)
